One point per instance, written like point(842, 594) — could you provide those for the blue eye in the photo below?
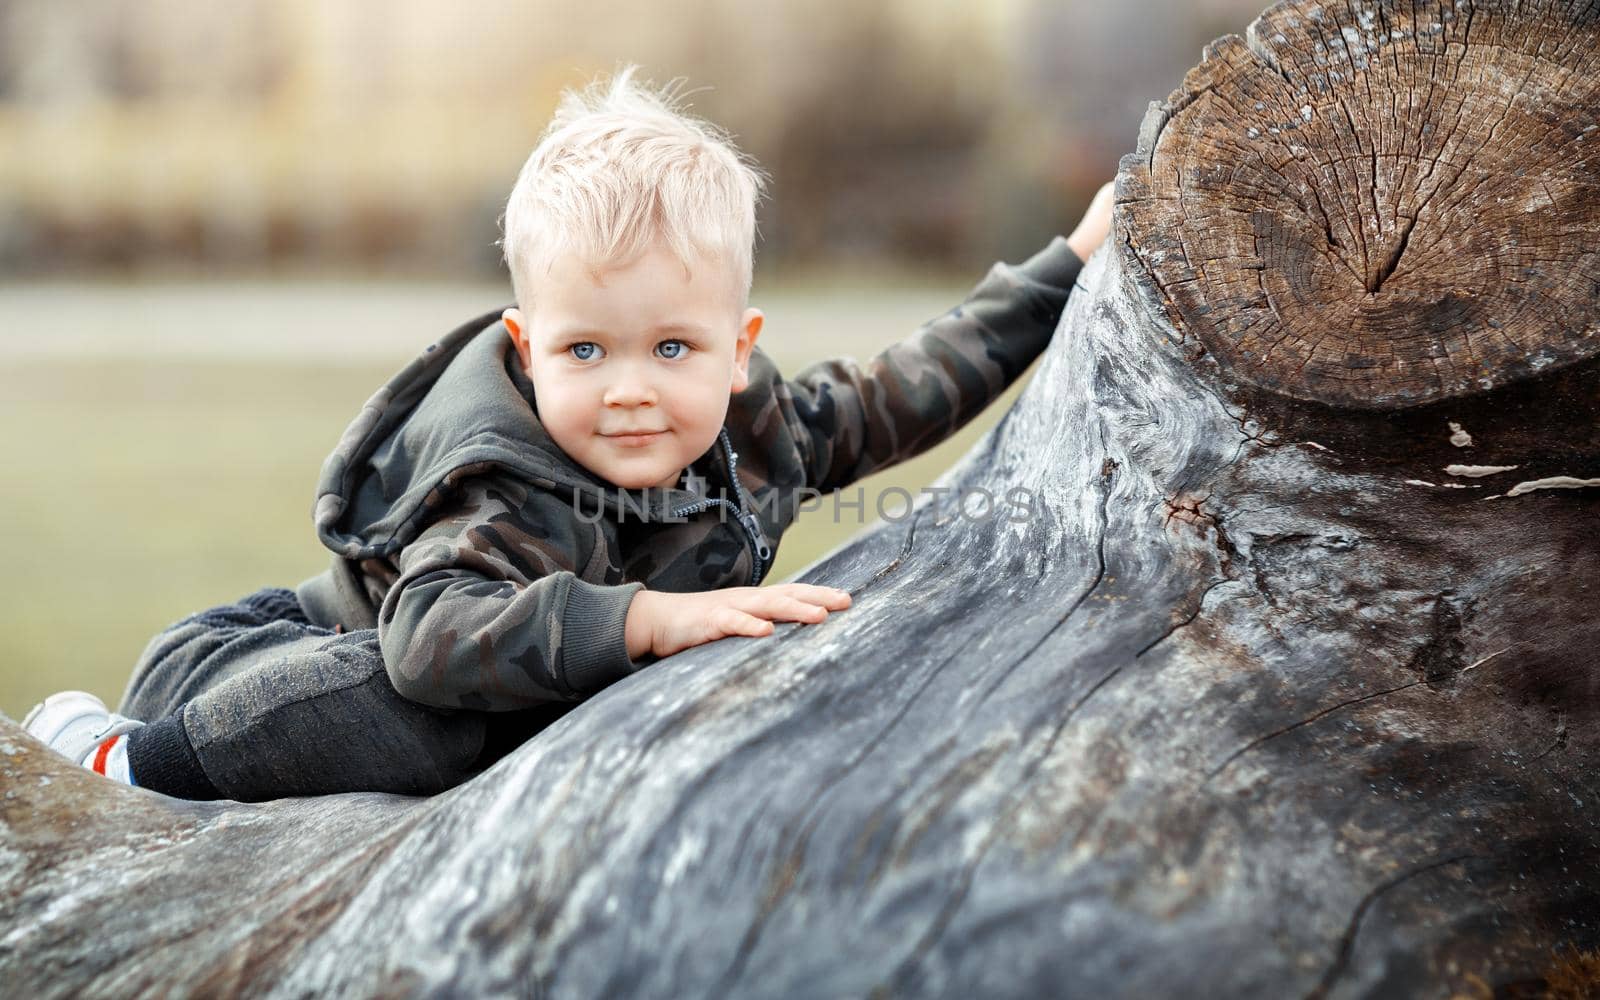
point(577, 350)
point(673, 356)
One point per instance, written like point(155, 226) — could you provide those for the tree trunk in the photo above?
point(1287, 686)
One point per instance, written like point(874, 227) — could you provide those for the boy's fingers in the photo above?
point(780, 608)
point(804, 611)
point(732, 621)
point(832, 597)
point(785, 602)
point(775, 605)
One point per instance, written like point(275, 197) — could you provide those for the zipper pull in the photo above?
point(763, 550)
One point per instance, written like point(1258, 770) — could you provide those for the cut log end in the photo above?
point(1376, 206)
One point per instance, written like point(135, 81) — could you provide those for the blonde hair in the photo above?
point(620, 166)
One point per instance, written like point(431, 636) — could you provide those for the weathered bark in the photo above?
point(1273, 694)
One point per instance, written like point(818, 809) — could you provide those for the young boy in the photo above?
point(555, 494)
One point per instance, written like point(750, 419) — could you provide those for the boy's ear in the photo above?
point(749, 329)
point(517, 326)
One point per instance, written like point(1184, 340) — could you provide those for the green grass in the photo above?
point(140, 490)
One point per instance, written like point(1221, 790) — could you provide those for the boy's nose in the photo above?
point(629, 394)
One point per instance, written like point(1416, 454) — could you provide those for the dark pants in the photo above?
point(274, 706)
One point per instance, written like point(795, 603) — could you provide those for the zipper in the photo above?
point(747, 520)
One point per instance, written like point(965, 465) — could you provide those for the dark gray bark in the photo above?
point(1262, 700)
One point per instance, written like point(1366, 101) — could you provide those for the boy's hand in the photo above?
point(1096, 223)
point(662, 623)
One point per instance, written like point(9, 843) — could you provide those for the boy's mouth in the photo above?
point(634, 439)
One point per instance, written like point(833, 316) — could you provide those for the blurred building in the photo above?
point(250, 134)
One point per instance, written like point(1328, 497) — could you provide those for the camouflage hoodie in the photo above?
point(498, 571)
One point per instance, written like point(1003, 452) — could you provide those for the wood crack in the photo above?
point(1393, 260)
point(1341, 960)
point(1258, 741)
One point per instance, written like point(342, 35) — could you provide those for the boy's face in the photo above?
point(640, 348)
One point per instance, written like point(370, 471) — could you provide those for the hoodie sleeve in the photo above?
point(850, 420)
point(490, 612)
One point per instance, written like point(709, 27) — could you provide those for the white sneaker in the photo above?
point(76, 724)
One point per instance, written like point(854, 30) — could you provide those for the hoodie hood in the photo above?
point(463, 407)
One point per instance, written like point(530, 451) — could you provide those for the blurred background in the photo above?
point(223, 225)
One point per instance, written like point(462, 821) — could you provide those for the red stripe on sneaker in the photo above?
point(101, 754)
